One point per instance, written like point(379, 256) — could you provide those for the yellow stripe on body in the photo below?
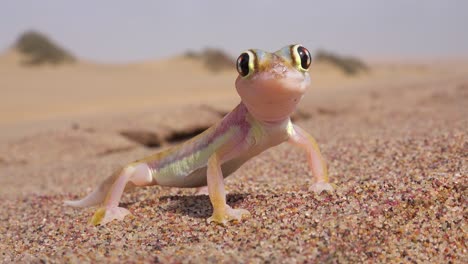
point(177, 169)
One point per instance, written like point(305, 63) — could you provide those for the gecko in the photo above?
point(270, 86)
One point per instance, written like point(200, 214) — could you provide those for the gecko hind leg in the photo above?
point(111, 190)
point(139, 175)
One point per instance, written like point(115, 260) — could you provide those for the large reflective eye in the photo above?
point(306, 59)
point(301, 57)
point(243, 64)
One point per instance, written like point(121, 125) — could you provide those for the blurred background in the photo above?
point(66, 62)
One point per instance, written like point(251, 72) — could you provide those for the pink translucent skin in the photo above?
point(272, 94)
point(316, 163)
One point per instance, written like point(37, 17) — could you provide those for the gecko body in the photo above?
point(270, 86)
point(186, 165)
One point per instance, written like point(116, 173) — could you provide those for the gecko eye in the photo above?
point(245, 63)
point(301, 57)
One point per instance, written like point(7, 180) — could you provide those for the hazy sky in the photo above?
point(121, 31)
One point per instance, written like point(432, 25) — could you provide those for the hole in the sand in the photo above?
point(326, 111)
point(12, 162)
point(300, 115)
point(178, 136)
point(75, 126)
point(146, 138)
point(115, 150)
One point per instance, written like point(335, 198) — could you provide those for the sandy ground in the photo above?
point(395, 140)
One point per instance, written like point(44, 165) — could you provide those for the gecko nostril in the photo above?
point(279, 70)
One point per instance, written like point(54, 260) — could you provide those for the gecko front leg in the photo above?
point(222, 212)
point(317, 164)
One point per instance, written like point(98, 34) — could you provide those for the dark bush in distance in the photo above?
point(38, 49)
point(214, 60)
point(349, 65)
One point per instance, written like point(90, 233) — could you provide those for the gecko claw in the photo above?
point(227, 215)
point(319, 187)
point(106, 214)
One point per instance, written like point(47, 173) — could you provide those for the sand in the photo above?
point(395, 140)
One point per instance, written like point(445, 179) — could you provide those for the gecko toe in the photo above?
point(319, 187)
point(227, 215)
point(104, 215)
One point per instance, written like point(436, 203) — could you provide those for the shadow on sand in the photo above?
point(197, 206)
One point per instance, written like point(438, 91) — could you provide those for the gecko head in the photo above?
point(272, 84)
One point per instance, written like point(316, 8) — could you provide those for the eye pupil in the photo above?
point(305, 57)
point(243, 64)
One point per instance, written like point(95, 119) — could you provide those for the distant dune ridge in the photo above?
point(76, 87)
point(38, 49)
point(35, 48)
point(85, 88)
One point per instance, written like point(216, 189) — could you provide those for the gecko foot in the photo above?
point(228, 214)
point(319, 187)
point(106, 214)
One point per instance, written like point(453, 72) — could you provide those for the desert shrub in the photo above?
point(214, 60)
point(38, 49)
point(349, 65)
point(191, 54)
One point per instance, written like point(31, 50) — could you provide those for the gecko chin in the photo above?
point(272, 99)
point(272, 111)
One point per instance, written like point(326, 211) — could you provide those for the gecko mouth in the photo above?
point(281, 101)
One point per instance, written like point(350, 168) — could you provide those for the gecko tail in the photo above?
point(94, 198)
point(98, 195)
